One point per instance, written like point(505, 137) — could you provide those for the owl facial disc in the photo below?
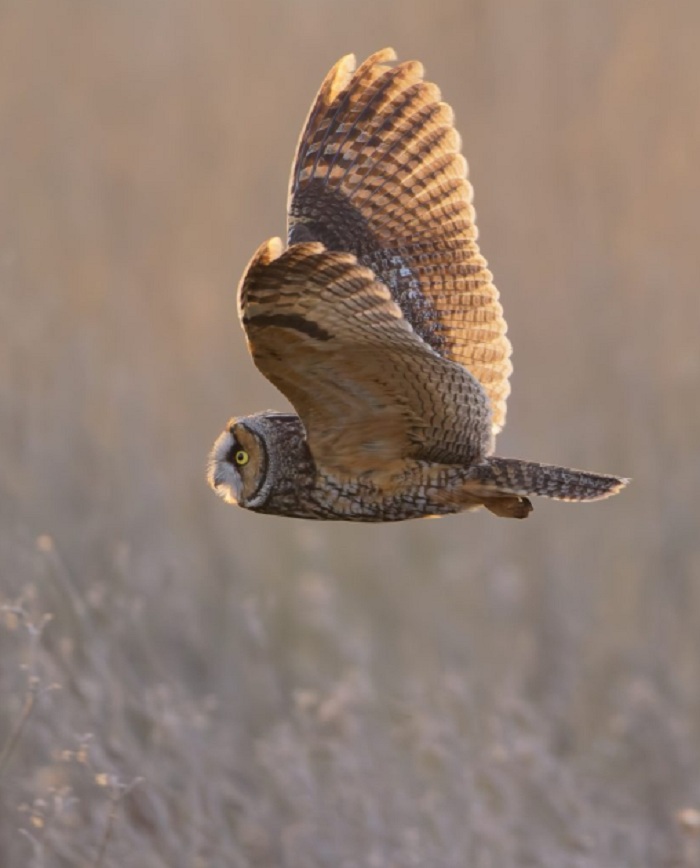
point(237, 467)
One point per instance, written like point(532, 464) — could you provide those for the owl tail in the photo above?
point(513, 476)
point(505, 484)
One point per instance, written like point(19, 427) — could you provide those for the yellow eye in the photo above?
point(241, 457)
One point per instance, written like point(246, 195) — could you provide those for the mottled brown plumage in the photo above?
point(381, 325)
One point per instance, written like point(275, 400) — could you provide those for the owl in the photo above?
point(379, 321)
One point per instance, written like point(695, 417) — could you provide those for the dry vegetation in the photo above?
point(183, 684)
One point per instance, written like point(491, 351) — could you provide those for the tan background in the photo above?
point(469, 691)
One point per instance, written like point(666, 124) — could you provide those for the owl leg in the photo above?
point(508, 506)
point(470, 494)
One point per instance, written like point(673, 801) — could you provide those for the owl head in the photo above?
point(256, 456)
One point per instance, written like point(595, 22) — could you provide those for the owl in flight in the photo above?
point(380, 323)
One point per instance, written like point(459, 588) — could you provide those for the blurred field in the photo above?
point(246, 691)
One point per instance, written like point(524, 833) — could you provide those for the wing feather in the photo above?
point(378, 173)
point(329, 335)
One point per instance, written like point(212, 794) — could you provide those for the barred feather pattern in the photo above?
point(515, 476)
point(379, 174)
point(377, 391)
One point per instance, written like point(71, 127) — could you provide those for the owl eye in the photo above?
point(241, 457)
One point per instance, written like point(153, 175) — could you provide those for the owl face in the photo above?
point(238, 465)
point(262, 462)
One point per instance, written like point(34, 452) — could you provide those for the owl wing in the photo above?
point(378, 173)
point(368, 389)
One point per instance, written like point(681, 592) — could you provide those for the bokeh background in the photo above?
point(216, 688)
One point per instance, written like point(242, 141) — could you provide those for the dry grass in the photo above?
point(183, 684)
point(121, 752)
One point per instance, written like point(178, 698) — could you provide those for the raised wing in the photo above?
point(378, 173)
point(328, 334)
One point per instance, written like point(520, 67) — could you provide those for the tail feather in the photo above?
point(523, 478)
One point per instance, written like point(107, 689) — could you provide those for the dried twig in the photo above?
point(118, 791)
point(33, 681)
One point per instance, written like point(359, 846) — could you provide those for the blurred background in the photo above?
point(216, 688)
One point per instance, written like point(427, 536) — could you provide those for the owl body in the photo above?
point(279, 454)
point(280, 477)
point(380, 323)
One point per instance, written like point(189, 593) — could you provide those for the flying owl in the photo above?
point(380, 323)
